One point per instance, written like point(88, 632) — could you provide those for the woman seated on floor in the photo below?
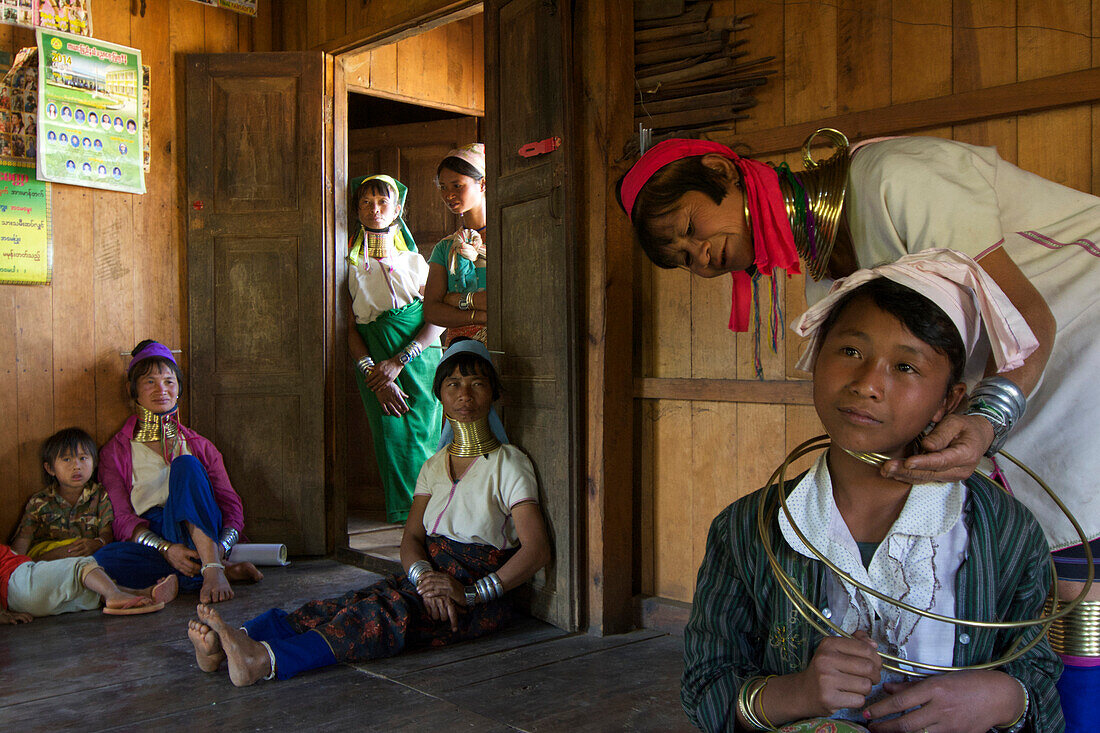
point(475, 531)
point(168, 487)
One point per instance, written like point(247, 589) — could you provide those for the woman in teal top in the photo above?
point(454, 296)
point(389, 340)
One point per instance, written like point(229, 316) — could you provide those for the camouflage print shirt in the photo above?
point(49, 517)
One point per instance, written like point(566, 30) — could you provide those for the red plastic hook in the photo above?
point(542, 147)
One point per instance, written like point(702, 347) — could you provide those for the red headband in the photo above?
point(772, 240)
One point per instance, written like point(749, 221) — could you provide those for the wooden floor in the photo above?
point(90, 672)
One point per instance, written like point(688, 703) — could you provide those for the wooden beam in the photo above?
point(419, 102)
point(724, 390)
point(1062, 90)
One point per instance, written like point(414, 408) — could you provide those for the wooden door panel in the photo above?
point(260, 283)
point(531, 271)
point(256, 281)
point(257, 131)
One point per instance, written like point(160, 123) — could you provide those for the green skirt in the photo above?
point(401, 444)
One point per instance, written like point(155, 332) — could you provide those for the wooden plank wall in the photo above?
point(339, 25)
point(696, 456)
point(411, 69)
point(118, 258)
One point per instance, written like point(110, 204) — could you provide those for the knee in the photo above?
point(187, 463)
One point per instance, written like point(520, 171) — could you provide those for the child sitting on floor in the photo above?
point(888, 349)
point(51, 587)
point(72, 516)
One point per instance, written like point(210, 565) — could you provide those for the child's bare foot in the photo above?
point(120, 600)
point(248, 659)
point(237, 571)
point(208, 646)
point(215, 586)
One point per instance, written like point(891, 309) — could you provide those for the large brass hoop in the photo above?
point(826, 627)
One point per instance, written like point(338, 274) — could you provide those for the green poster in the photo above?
point(89, 113)
point(26, 245)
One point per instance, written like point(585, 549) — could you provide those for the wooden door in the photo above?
point(410, 153)
point(532, 280)
point(259, 264)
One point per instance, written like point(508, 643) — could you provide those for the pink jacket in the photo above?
point(116, 473)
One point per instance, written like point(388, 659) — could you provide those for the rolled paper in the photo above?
point(259, 553)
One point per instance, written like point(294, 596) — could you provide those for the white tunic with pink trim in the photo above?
point(476, 507)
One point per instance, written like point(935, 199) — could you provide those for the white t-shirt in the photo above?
point(377, 286)
point(910, 194)
point(150, 487)
point(477, 508)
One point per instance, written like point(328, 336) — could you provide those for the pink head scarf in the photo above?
point(772, 240)
point(955, 283)
point(473, 153)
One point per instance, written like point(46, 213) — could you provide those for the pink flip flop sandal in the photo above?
point(165, 590)
point(133, 609)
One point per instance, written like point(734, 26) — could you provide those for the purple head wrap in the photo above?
point(151, 349)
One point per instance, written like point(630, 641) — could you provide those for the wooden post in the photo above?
point(604, 123)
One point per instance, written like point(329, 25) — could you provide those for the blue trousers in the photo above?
point(190, 499)
point(294, 653)
point(1079, 688)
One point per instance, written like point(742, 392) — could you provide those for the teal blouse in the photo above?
point(467, 277)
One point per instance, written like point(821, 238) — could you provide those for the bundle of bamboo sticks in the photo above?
point(690, 72)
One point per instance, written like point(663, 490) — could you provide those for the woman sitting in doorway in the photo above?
point(168, 487)
point(390, 340)
point(475, 531)
point(455, 294)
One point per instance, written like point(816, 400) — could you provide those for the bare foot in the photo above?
point(237, 571)
point(122, 599)
point(208, 647)
point(248, 659)
point(215, 586)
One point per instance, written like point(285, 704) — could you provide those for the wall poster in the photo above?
point(90, 113)
point(26, 238)
point(247, 7)
point(73, 16)
point(18, 102)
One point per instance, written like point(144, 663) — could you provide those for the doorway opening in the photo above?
point(408, 103)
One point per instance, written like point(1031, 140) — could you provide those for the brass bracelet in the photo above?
point(746, 697)
point(757, 698)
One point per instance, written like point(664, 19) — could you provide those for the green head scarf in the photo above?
point(403, 238)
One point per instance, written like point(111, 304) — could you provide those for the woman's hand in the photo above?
point(435, 584)
point(183, 559)
point(952, 452)
point(840, 675)
point(383, 373)
point(443, 609)
point(393, 400)
point(961, 702)
point(442, 595)
point(470, 245)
